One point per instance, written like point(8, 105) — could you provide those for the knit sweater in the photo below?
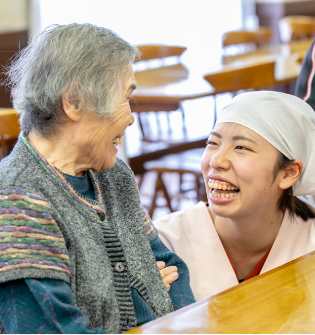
point(100, 248)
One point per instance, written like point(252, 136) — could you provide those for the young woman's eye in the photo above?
point(208, 142)
point(241, 147)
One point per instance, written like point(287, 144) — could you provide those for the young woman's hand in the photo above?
point(169, 274)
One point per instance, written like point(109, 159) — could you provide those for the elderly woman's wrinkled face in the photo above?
point(238, 168)
point(102, 135)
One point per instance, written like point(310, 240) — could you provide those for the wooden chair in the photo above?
point(233, 80)
point(245, 40)
point(187, 162)
point(159, 52)
point(9, 130)
point(296, 28)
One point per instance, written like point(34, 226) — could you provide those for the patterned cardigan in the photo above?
point(99, 247)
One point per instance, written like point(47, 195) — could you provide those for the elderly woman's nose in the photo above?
point(132, 120)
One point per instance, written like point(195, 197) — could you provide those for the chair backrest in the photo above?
point(296, 28)
point(9, 128)
point(236, 79)
point(259, 36)
point(149, 52)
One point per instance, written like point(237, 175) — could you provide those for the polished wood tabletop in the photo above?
point(280, 301)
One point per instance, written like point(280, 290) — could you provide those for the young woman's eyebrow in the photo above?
point(215, 134)
point(244, 138)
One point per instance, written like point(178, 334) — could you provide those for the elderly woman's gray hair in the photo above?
point(83, 61)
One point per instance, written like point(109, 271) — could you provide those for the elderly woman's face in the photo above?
point(238, 168)
point(101, 134)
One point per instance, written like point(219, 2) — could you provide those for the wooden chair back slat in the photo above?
point(259, 36)
point(159, 51)
point(250, 77)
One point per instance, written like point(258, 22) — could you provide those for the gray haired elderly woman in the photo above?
point(78, 251)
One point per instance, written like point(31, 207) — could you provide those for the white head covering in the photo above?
point(285, 121)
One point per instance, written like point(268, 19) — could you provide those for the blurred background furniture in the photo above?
point(9, 130)
point(159, 51)
point(251, 77)
point(241, 41)
point(270, 12)
point(10, 44)
point(296, 28)
point(280, 301)
point(190, 185)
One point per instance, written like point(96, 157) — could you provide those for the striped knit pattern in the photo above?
point(115, 253)
point(29, 237)
point(142, 290)
point(147, 222)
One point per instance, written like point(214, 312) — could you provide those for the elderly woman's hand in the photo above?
point(169, 274)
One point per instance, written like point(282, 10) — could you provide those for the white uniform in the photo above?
point(192, 236)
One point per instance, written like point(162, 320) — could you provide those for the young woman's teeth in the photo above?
point(224, 187)
point(116, 140)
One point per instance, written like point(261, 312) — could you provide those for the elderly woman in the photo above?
point(78, 251)
point(259, 157)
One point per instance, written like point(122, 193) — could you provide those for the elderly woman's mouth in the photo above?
point(222, 189)
point(117, 140)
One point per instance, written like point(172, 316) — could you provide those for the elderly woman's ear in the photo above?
point(71, 107)
point(291, 174)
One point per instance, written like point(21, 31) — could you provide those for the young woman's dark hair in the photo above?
point(287, 199)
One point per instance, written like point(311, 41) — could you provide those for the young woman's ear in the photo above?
point(291, 174)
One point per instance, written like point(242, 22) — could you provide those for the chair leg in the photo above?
point(140, 179)
point(160, 186)
point(184, 121)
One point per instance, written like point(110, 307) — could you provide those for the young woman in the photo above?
point(259, 157)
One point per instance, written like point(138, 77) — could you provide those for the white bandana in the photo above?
point(285, 121)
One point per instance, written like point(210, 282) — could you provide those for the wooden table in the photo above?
point(279, 301)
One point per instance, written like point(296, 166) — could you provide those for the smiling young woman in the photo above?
point(258, 158)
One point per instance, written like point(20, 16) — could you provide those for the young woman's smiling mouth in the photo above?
point(222, 192)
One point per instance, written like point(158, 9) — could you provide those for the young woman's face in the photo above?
point(238, 168)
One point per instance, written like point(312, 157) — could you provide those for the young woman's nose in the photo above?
point(220, 160)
